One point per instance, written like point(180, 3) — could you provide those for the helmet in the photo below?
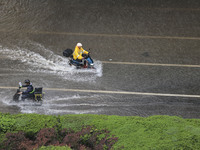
point(79, 44)
point(27, 81)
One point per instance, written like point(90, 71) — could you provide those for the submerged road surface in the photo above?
point(146, 56)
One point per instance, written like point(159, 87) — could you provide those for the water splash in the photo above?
point(38, 60)
point(43, 60)
point(57, 105)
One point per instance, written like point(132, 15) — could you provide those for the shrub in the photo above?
point(6, 123)
point(47, 137)
point(17, 141)
point(33, 122)
point(87, 138)
point(54, 148)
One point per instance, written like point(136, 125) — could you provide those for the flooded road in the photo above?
point(146, 56)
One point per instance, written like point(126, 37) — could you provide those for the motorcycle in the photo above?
point(37, 96)
point(87, 62)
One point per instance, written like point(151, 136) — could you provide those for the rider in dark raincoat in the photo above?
point(29, 93)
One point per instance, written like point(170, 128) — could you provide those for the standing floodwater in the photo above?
point(146, 55)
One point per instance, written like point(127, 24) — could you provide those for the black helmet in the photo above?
point(27, 81)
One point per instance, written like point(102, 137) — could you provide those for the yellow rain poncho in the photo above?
point(77, 54)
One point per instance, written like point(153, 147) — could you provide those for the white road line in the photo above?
point(143, 64)
point(114, 92)
point(165, 8)
point(118, 35)
point(107, 35)
point(3, 57)
point(151, 64)
point(11, 74)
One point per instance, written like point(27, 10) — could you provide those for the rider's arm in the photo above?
point(85, 52)
point(29, 89)
point(24, 85)
point(20, 85)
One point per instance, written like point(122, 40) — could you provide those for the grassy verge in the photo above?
point(155, 132)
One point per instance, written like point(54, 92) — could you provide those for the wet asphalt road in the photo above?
point(156, 32)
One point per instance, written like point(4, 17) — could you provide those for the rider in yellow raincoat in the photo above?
point(77, 54)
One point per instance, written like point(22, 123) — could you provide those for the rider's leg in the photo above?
point(24, 96)
point(90, 61)
point(78, 62)
point(27, 96)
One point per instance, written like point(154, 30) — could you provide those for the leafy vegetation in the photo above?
point(87, 138)
point(54, 148)
point(132, 132)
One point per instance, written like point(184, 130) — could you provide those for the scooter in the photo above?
point(87, 62)
point(37, 96)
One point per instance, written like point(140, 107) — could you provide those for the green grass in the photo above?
point(154, 132)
